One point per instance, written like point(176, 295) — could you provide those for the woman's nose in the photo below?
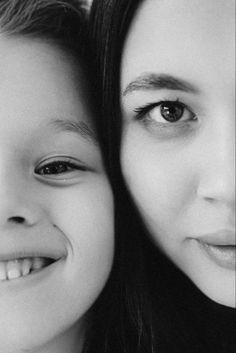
point(217, 167)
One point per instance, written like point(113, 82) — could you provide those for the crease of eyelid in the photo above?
point(153, 81)
point(78, 127)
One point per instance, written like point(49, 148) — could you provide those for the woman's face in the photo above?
point(56, 204)
point(178, 140)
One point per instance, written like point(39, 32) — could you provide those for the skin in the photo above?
point(67, 212)
point(182, 175)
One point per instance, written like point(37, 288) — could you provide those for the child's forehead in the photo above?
point(38, 60)
point(38, 50)
point(41, 83)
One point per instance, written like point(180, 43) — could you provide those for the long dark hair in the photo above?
point(109, 24)
point(171, 318)
point(130, 323)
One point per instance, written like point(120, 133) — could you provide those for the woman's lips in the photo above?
point(220, 247)
point(221, 237)
point(222, 255)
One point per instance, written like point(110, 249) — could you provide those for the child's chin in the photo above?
point(16, 341)
point(20, 338)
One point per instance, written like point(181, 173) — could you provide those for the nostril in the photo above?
point(17, 219)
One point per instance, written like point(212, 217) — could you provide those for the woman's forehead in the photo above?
point(169, 36)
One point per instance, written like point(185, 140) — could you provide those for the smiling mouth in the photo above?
point(22, 267)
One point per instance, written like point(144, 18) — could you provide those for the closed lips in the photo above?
point(220, 248)
point(222, 237)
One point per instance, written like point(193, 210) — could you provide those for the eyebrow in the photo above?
point(79, 127)
point(152, 81)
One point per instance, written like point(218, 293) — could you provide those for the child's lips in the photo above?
point(21, 267)
point(19, 254)
point(23, 254)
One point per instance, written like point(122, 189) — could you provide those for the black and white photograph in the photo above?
point(117, 176)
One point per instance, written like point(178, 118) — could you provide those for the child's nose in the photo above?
point(17, 206)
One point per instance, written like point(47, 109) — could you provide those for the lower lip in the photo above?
point(32, 279)
point(223, 256)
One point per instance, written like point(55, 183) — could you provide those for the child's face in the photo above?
point(178, 142)
point(55, 199)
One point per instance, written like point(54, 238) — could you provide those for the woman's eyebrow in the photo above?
point(78, 127)
point(152, 81)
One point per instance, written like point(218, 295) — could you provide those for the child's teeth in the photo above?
point(38, 262)
point(26, 266)
point(13, 269)
point(3, 273)
point(20, 267)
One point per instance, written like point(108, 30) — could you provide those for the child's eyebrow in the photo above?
point(153, 81)
point(78, 127)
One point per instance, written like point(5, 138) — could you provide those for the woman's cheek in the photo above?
point(161, 181)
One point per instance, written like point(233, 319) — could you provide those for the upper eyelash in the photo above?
point(143, 110)
point(68, 162)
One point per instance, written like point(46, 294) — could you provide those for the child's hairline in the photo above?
point(79, 58)
point(63, 23)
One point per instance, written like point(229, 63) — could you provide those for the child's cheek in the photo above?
point(83, 213)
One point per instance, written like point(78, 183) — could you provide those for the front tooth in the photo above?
point(38, 263)
point(26, 266)
point(3, 274)
point(13, 269)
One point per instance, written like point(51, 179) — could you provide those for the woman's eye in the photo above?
point(58, 168)
point(165, 112)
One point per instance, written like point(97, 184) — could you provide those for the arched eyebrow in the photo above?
point(78, 127)
point(152, 81)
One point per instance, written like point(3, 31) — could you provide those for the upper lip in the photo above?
point(38, 243)
point(223, 237)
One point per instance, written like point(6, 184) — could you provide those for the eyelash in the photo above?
point(66, 163)
point(141, 112)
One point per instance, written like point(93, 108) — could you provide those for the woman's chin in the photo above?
point(227, 300)
point(219, 287)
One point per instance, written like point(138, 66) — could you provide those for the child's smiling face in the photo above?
point(56, 200)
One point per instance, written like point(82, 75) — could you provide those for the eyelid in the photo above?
point(61, 158)
point(145, 109)
point(64, 176)
point(142, 111)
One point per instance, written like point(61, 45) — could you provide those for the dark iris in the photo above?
point(54, 168)
point(172, 111)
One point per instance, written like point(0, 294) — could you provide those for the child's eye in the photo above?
point(165, 112)
point(58, 168)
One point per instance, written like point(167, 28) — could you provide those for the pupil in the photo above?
point(55, 169)
point(172, 112)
